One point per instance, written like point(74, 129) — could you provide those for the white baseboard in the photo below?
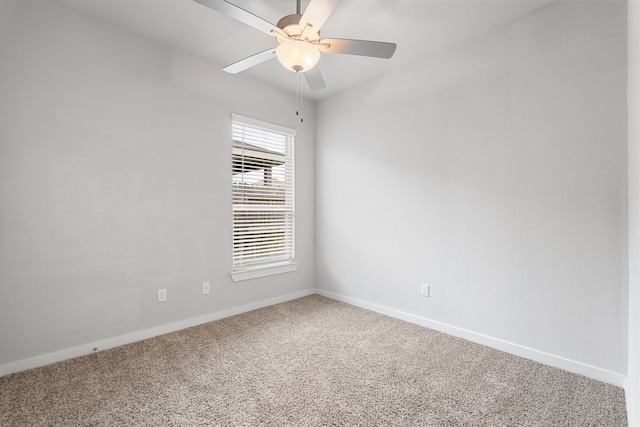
point(596, 373)
point(518, 350)
point(70, 353)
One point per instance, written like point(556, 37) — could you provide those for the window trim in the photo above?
point(250, 121)
point(264, 271)
point(276, 267)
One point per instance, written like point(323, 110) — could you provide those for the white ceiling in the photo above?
point(418, 28)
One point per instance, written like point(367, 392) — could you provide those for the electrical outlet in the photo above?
point(424, 290)
point(206, 287)
point(162, 295)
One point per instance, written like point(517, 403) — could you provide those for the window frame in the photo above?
point(267, 268)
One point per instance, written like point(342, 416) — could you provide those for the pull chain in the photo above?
point(299, 95)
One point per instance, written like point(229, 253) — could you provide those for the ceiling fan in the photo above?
point(299, 45)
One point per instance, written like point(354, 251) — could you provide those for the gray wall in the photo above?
point(115, 181)
point(496, 172)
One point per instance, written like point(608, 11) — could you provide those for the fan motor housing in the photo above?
point(290, 24)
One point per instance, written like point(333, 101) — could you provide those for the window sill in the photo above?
point(257, 272)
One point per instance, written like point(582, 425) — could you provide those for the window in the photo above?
point(263, 196)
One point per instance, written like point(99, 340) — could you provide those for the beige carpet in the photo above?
point(308, 362)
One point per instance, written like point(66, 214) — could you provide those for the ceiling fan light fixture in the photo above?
point(298, 55)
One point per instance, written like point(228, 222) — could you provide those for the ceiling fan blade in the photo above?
point(315, 15)
point(241, 15)
point(314, 79)
point(358, 47)
point(250, 61)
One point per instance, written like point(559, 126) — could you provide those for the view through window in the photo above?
point(263, 194)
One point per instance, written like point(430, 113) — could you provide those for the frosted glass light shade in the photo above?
point(298, 55)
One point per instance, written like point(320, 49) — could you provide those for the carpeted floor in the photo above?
point(308, 362)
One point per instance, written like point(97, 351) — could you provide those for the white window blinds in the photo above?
point(263, 194)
